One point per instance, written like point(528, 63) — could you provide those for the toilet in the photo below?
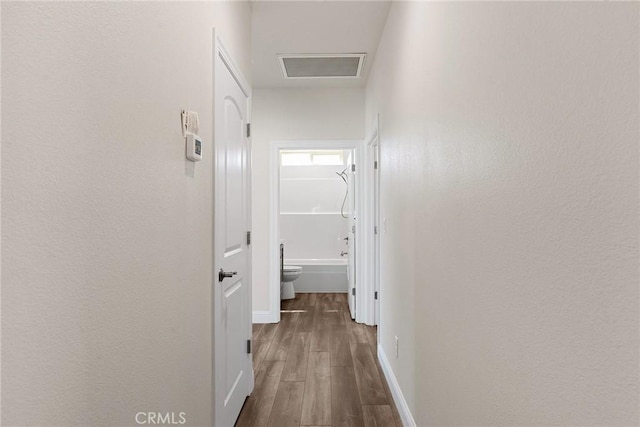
point(289, 274)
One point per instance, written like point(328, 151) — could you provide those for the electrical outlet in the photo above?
point(396, 347)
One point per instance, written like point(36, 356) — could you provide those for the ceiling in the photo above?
point(281, 27)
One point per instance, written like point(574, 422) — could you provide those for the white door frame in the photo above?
point(367, 302)
point(274, 229)
point(373, 204)
point(220, 51)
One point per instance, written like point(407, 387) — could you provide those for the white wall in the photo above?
point(509, 170)
point(291, 114)
point(106, 234)
point(311, 224)
point(313, 236)
point(312, 188)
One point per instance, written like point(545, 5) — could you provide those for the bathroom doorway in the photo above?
point(315, 201)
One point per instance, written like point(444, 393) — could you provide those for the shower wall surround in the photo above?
point(311, 224)
point(312, 227)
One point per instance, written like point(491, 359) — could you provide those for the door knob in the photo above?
point(343, 253)
point(223, 274)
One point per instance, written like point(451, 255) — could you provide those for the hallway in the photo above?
point(317, 367)
point(493, 164)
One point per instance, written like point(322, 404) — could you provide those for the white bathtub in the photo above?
point(321, 275)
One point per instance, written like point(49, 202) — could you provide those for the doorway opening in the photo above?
point(316, 197)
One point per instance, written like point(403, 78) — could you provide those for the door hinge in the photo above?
point(375, 164)
point(375, 295)
point(249, 346)
point(248, 130)
point(353, 291)
point(353, 229)
point(248, 237)
point(353, 167)
point(375, 229)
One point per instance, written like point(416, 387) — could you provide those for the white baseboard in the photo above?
point(398, 397)
point(262, 316)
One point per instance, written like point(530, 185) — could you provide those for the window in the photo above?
point(296, 159)
point(326, 159)
point(312, 158)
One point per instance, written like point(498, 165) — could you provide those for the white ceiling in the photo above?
point(313, 27)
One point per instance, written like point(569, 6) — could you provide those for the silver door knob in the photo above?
point(224, 274)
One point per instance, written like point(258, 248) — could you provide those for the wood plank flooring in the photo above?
point(317, 367)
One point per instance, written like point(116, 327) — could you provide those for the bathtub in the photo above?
point(321, 275)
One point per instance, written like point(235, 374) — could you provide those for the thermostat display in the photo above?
point(194, 147)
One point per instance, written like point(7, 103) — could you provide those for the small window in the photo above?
point(310, 158)
point(326, 159)
point(296, 159)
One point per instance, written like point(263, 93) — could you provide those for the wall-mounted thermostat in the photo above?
point(194, 147)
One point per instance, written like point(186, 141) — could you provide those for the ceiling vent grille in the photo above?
point(322, 66)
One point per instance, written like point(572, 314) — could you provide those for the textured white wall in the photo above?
point(509, 167)
point(291, 114)
point(106, 238)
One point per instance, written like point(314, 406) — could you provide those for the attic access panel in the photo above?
point(327, 66)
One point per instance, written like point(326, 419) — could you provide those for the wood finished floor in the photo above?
point(317, 367)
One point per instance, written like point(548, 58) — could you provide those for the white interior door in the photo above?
point(351, 268)
point(376, 231)
point(233, 373)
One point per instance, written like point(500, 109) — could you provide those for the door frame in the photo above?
point(219, 50)
point(274, 208)
point(371, 278)
point(373, 203)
